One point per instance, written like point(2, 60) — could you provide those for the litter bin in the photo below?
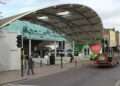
point(52, 59)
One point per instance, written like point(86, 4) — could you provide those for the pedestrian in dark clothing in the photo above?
point(71, 58)
point(30, 66)
point(25, 61)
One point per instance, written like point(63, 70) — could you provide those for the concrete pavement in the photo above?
point(45, 70)
point(86, 75)
point(9, 76)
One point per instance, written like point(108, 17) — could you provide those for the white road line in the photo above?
point(18, 85)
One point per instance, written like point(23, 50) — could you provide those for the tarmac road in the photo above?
point(87, 75)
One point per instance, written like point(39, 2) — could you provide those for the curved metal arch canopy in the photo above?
point(77, 22)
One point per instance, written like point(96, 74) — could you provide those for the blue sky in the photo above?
point(108, 10)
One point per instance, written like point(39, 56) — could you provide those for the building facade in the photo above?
point(9, 53)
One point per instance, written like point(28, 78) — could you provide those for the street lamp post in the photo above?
point(55, 49)
point(73, 47)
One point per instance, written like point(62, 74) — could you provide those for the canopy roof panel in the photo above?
point(74, 21)
point(33, 31)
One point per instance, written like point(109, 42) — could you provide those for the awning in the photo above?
point(33, 31)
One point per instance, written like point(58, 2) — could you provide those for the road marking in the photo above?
point(18, 85)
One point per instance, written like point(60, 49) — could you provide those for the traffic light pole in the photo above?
point(22, 40)
point(22, 72)
point(22, 56)
point(29, 47)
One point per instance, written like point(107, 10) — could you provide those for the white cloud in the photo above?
point(112, 22)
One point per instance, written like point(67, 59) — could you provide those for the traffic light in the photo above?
point(105, 43)
point(19, 41)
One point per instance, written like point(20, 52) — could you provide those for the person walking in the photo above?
point(30, 66)
point(71, 58)
point(46, 59)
